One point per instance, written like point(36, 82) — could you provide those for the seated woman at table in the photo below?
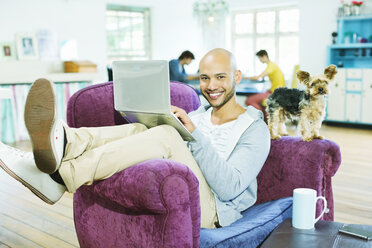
point(276, 77)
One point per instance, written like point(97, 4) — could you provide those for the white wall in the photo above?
point(174, 28)
point(80, 20)
point(318, 19)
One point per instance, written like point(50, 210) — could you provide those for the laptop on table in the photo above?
point(142, 94)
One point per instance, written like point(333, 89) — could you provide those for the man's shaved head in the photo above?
point(219, 56)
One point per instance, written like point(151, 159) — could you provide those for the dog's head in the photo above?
point(317, 85)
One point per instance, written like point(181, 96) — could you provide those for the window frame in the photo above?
point(147, 32)
point(255, 35)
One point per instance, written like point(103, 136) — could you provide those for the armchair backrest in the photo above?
point(93, 106)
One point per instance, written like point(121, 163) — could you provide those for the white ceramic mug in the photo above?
point(304, 207)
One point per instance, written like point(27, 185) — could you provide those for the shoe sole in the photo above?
point(33, 190)
point(40, 118)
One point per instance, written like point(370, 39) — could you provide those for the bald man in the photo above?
point(230, 147)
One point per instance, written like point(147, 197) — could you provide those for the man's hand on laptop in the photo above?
point(183, 117)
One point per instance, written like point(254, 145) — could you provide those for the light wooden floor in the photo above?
point(352, 184)
point(25, 221)
point(28, 222)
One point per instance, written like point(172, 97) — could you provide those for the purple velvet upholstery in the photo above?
point(93, 106)
point(293, 163)
point(151, 204)
point(156, 203)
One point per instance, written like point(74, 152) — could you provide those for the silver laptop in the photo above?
point(142, 94)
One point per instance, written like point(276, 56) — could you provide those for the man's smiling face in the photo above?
point(217, 79)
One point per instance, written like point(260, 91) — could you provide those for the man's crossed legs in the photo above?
point(84, 155)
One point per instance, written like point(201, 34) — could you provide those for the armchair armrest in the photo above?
point(159, 197)
point(293, 163)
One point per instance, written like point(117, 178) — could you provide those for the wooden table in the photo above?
point(325, 234)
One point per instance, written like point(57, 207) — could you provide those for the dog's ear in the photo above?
point(303, 76)
point(330, 72)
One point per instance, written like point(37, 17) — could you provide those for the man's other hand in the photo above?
point(183, 117)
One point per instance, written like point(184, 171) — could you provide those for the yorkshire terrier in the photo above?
point(305, 106)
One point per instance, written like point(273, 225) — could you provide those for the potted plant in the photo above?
point(344, 9)
point(355, 8)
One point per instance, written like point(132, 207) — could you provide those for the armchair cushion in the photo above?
point(257, 223)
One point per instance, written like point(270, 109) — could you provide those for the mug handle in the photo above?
point(324, 209)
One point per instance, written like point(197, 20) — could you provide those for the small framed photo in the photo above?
point(27, 47)
point(7, 51)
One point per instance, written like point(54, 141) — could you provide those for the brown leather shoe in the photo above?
point(45, 130)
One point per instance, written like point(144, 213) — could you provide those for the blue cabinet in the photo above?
point(354, 43)
point(350, 97)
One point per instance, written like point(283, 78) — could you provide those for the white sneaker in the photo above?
point(45, 130)
point(21, 166)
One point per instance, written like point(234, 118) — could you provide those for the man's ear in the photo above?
point(330, 72)
point(303, 76)
point(237, 76)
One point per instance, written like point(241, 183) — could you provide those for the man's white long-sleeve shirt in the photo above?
point(231, 168)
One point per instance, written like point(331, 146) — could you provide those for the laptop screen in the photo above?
point(142, 86)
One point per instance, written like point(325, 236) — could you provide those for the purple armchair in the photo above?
point(156, 203)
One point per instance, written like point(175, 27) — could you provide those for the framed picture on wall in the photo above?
point(7, 51)
point(27, 47)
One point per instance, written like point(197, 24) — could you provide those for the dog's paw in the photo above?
point(318, 137)
point(275, 137)
point(307, 139)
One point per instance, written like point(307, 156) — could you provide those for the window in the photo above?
point(274, 30)
point(128, 33)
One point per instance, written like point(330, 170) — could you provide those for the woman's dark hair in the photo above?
point(186, 55)
point(262, 53)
